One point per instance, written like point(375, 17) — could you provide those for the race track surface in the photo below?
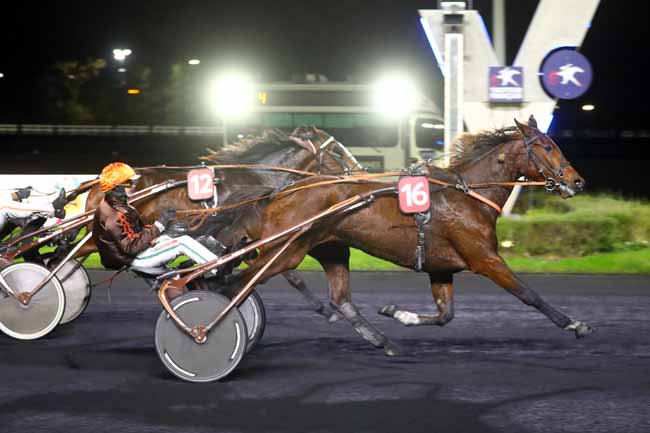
point(499, 366)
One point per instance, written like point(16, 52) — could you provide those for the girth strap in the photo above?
point(421, 219)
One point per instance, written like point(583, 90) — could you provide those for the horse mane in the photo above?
point(468, 147)
point(252, 150)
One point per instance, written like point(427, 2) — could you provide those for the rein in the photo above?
point(232, 166)
point(466, 188)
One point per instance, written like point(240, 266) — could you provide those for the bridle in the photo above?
point(340, 159)
point(328, 148)
point(555, 179)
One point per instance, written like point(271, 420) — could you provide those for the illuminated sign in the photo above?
point(506, 84)
point(566, 74)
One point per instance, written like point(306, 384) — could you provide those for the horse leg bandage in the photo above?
point(361, 325)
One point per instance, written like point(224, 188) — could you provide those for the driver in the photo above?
point(122, 238)
point(16, 213)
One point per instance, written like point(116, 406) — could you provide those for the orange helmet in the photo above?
point(114, 174)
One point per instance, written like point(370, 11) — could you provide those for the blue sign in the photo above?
point(506, 84)
point(566, 74)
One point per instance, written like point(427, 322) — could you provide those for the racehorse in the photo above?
point(460, 235)
point(306, 149)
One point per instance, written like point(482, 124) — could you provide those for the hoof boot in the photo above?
point(582, 330)
point(388, 310)
point(391, 350)
point(334, 317)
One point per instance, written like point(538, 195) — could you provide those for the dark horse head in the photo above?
point(306, 148)
point(326, 146)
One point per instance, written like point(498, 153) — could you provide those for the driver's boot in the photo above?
point(59, 204)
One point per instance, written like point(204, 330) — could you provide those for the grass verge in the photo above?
point(625, 262)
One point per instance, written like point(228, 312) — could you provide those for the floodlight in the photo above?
point(193, 62)
point(2, 75)
point(394, 96)
point(234, 95)
point(588, 107)
point(433, 126)
point(121, 69)
point(120, 54)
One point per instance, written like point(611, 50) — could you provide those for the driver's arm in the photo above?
point(131, 243)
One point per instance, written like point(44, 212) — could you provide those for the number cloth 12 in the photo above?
point(413, 194)
point(200, 184)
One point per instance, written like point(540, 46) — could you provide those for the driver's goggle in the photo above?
point(128, 184)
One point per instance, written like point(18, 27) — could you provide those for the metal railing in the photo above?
point(94, 130)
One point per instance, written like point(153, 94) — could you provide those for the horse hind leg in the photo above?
point(297, 282)
point(442, 289)
point(351, 313)
point(335, 262)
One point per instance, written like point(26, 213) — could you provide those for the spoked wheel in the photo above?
point(76, 285)
point(223, 349)
point(255, 317)
point(43, 312)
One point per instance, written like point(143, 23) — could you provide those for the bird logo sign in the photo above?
point(506, 84)
point(566, 74)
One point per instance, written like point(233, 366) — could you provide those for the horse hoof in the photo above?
point(391, 350)
point(582, 330)
point(388, 310)
point(333, 317)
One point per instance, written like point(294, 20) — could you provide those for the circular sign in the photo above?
point(566, 74)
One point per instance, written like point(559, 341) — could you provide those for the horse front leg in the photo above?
point(335, 262)
point(498, 271)
point(442, 289)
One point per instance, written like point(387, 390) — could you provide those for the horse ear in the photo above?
point(532, 122)
point(524, 129)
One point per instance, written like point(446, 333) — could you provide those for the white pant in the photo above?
point(20, 213)
point(167, 249)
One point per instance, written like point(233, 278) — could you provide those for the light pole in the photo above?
point(454, 65)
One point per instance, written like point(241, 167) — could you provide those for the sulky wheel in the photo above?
point(252, 309)
point(255, 317)
point(76, 285)
point(223, 349)
point(43, 312)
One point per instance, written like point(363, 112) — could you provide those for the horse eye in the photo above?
point(547, 148)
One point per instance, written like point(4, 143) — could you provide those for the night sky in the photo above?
point(276, 38)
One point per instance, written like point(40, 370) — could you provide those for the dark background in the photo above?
point(343, 40)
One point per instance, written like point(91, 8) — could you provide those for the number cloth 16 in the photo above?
point(413, 194)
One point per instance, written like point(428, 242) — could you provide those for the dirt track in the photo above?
point(498, 366)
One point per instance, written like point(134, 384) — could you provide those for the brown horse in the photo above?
point(460, 234)
point(306, 149)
